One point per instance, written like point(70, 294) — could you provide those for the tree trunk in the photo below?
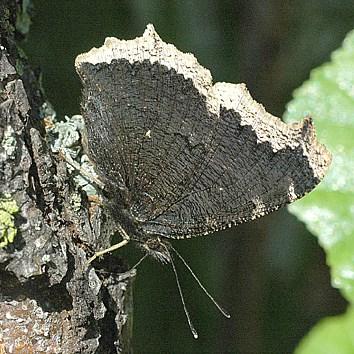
point(51, 301)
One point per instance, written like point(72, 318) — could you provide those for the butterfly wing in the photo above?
point(257, 165)
point(188, 157)
point(148, 126)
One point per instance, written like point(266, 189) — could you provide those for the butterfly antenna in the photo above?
point(193, 330)
point(223, 311)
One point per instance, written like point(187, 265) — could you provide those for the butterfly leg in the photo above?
point(132, 271)
point(83, 172)
point(109, 249)
point(122, 243)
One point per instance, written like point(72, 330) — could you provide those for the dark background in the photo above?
point(269, 274)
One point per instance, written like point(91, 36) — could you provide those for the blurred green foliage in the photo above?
point(328, 211)
point(333, 335)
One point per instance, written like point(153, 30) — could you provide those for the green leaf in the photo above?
point(333, 335)
point(328, 211)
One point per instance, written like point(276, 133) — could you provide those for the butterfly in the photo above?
point(180, 156)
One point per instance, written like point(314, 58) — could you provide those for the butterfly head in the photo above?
point(156, 247)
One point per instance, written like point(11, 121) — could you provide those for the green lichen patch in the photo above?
point(8, 210)
point(8, 144)
point(65, 137)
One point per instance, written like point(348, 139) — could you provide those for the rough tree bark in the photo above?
point(50, 300)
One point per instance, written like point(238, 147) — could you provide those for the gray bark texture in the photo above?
point(51, 301)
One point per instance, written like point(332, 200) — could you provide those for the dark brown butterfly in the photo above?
point(180, 157)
